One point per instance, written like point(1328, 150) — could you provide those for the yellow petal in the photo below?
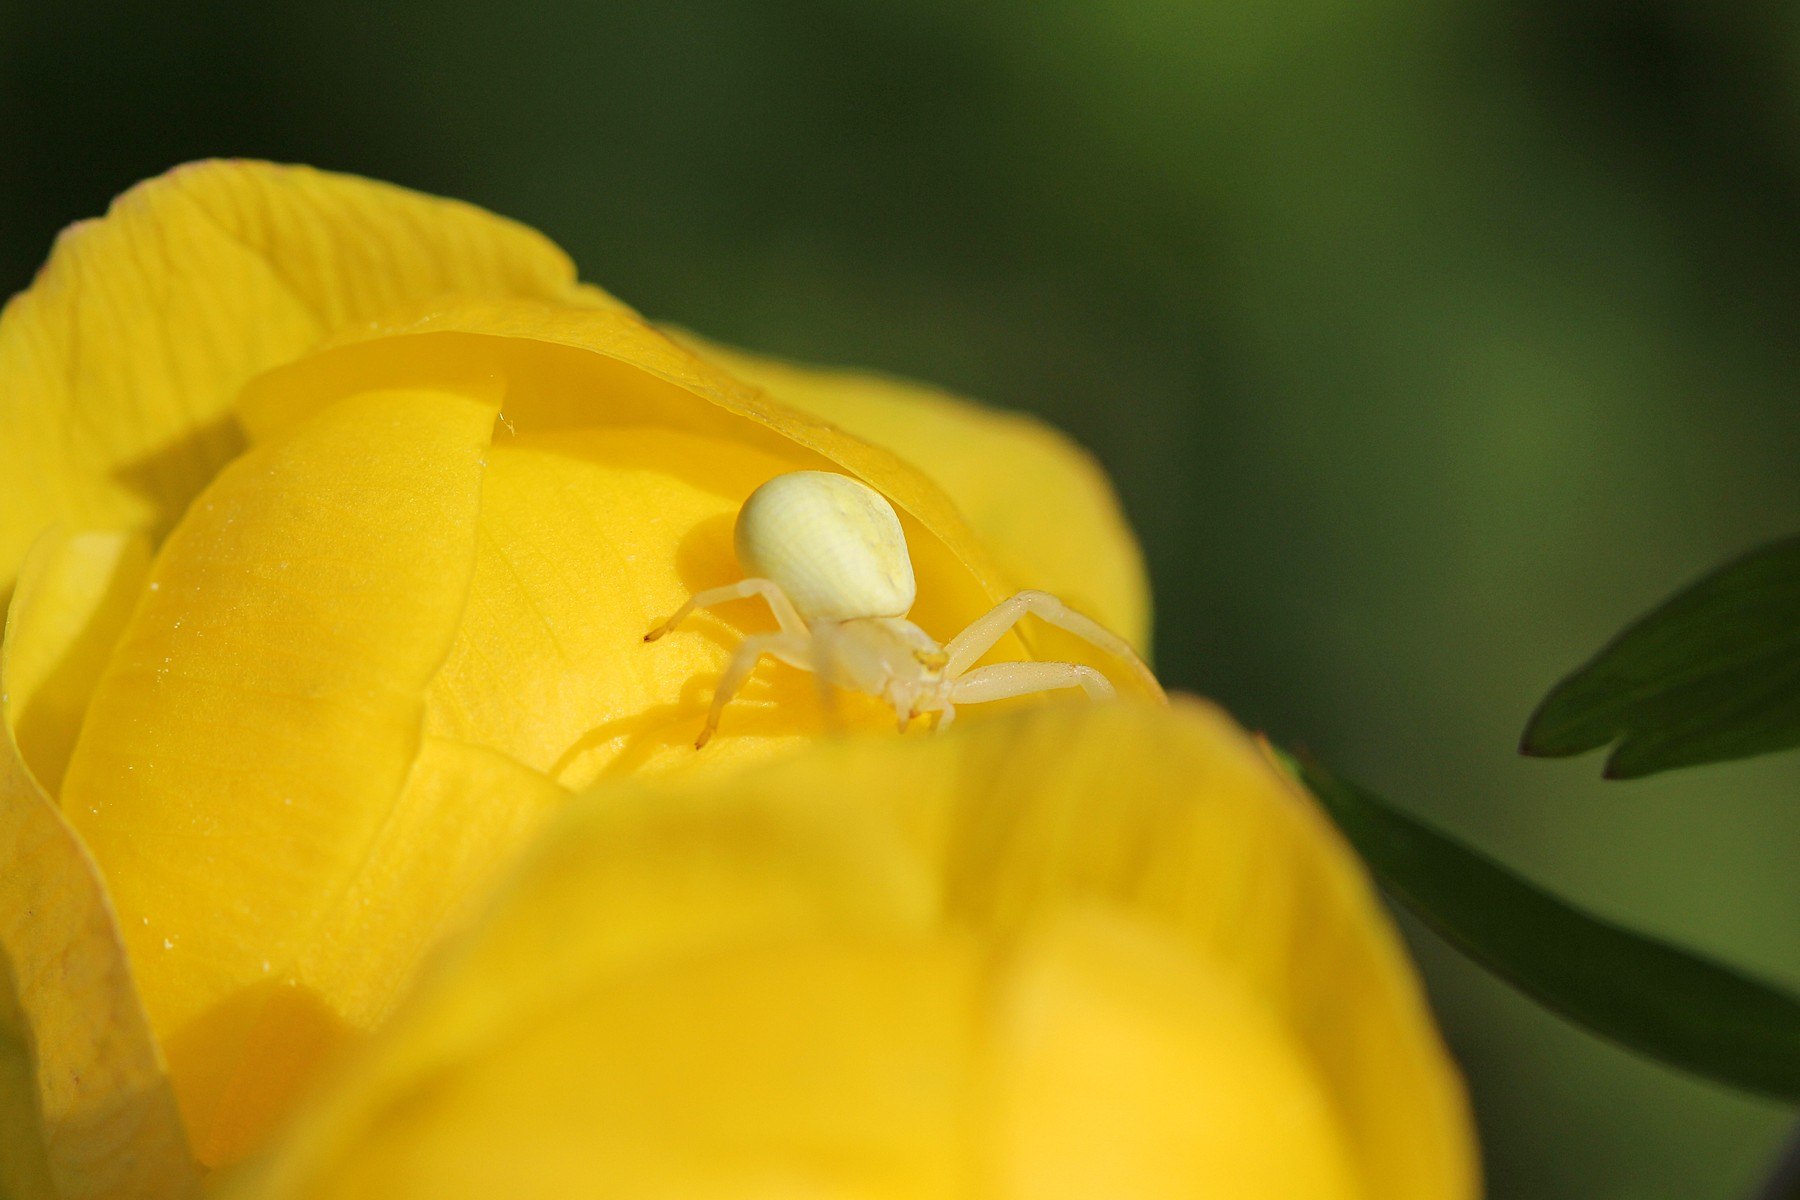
point(1181, 818)
point(24, 1165)
point(1039, 501)
point(109, 1125)
point(119, 364)
point(74, 594)
point(632, 886)
point(784, 1071)
point(563, 367)
point(462, 815)
point(1076, 952)
point(1121, 1064)
point(254, 729)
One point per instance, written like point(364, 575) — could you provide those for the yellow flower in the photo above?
point(338, 516)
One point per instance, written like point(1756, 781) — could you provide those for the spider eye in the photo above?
point(935, 660)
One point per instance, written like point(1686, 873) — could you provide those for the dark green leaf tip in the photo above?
point(1710, 675)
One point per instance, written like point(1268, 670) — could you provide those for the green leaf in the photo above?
point(1713, 674)
point(1642, 993)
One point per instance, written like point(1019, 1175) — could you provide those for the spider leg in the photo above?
point(824, 658)
point(1002, 681)
point(983, 632)
point(786, 615)
point(743, 661)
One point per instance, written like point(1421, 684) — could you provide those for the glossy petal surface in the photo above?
point(260, 715)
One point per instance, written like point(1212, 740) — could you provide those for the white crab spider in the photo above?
point(827, 554)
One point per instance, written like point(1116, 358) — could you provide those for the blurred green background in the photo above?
point(1428, 342)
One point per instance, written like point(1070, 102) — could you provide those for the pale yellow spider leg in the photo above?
point(743, 661)
point(786, 615)
point(1002, 681)
point(983, 632)
point(822, 651)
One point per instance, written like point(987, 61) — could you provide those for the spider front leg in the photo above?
point(786, 615)
point(1002, 681)
point(788, 648)
point(986, 630)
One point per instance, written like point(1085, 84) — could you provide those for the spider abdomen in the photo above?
point(833, 544)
